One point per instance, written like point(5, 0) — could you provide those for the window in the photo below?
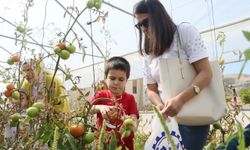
point(134, 86)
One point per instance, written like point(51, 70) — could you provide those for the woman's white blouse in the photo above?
point(192, 49)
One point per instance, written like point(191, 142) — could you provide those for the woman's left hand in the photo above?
point(172, 107)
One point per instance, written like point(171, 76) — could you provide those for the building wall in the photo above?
point(135, 87)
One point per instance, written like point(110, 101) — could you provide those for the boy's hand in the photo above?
point(105, 110)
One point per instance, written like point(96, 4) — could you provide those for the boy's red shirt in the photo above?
point(127, 101)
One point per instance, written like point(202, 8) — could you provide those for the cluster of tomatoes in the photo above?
point(11, 92)
point(30, 112)
point(13, 59)
point(127, 125)
point(78, 131)
point(63, 50)
point(94, 3)
point(34, 109)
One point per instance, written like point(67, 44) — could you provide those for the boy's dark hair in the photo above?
point(117, 63)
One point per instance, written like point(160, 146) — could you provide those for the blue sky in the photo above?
point(235, 68)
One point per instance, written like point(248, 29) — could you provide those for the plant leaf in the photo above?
point(247, 54)
point(241, 138)
point(113, 142)
point(242, 68)
point(87, 94)
point(47, 136)
point(74, 88)
point(1, 101)
point(247, 35)
point(68, 76)
point(71, 141)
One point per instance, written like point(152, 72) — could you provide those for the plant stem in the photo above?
point(165, 127)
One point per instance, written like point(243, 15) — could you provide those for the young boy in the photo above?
point(117, 71)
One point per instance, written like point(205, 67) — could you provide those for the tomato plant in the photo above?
point(16, 58)
point(32, 112)
point(90, 4)
point(10, 62)
point(71, 48)
point(98, 5)
point(61, 45)
point(64, 54)
point(7, 93)
point(15, 117)
point(15, 95)
point(57, 50)
point(88, 137)
point(39, 105)
point(76, 130)
point(10, 86)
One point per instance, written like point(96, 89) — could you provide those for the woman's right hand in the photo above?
point(172, 107)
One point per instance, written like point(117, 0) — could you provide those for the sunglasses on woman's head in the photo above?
point(144, 23)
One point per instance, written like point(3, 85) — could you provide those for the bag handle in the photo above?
point(178, 42)
point(179, 45)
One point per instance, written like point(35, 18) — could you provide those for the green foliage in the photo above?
point(245, 95)
point(241, 138)
point(101, 136)
point(165, 127)
point(70, 139)
point(113, 142)
point(56, 137)
point(247, 35)
point(140, 139)
point(246, 53)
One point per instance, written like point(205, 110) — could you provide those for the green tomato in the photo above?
point(90, 4)
point(15, 95)
point(15, 117)
point(126, 133)
point(32, 112)
point(88, 137)
point(57, 50)
point(13, 124)
point(98, 5)
point(64, 54)
point(129, 123)
point(10, 62)
point(38, 105)
point(20, 29)
point(71, 48)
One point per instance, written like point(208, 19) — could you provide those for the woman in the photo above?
point(160, 41)
point(37, 83)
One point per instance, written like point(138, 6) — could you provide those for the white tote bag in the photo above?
point(205, 108)
point(158, 138)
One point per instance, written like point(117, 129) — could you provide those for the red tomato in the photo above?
point(10, 86)
point(76, 130)
point(15, 58)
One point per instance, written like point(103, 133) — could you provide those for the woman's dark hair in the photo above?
point(117, 63)
point(161, 25)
